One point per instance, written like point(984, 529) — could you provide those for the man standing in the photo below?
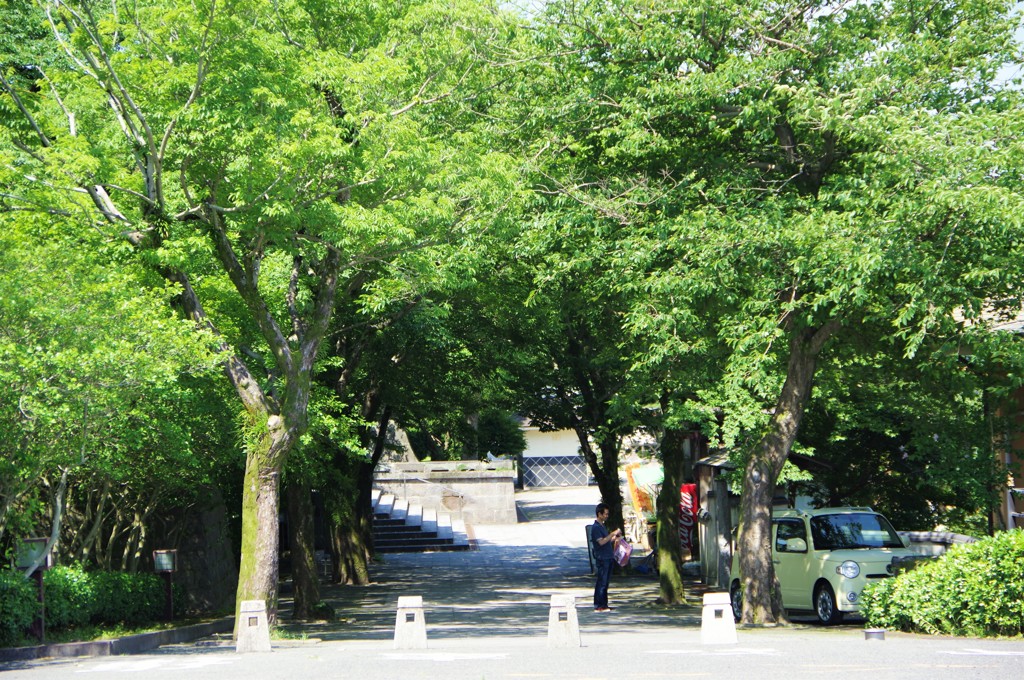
point(604, 545)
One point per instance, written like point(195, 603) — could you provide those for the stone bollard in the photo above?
point(563, 624)
point(717, 626)
point(253, 629)
point(410, 626)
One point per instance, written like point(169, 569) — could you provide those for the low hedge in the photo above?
point(973, 590)
point(75, 597)
point(123, 597)
point(70, 597)
point(18, 606)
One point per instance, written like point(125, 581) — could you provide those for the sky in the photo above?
point(1005, 75)
point(1016, 70)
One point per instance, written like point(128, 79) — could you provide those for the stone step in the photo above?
point(410, 542)
point(459, 534)
point(444, 525)
point(385, 504)
point(399, 509)
point(399, 526)
point(392, 531)
point(429, 522)
point(431, 547)
point(414, 518)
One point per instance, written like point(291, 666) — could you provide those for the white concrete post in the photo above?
point(563, 624)
point(253, 628)
point(410, 626)
point(717, 625)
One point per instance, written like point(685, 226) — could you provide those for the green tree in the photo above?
point(252, 154)
point(499, 433)
point(77, 414)
point(565, 322)
point(914, 444)
point(792, 174)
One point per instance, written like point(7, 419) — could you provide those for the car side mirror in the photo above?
point(796, 545)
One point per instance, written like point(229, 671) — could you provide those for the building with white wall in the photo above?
point(553, 459)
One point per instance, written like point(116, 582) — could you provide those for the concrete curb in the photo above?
point(133, 644)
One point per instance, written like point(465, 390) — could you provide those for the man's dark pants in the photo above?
point(604, 574)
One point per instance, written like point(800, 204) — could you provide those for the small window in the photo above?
point(790, 529)
point(850, 531)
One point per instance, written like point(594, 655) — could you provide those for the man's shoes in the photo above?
point(603, 609)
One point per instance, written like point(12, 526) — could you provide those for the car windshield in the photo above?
point(853, 530)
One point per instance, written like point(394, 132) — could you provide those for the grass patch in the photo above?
point(97, 632)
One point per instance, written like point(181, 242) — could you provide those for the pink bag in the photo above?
point(623, 549)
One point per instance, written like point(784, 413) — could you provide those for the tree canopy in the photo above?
point(749, 219)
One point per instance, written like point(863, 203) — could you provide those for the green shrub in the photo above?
point(18, 606)
point(123, 597)
point(974, 590)
point(75, 597)
point(323, 611)
point(70, 597)
point(180, 601)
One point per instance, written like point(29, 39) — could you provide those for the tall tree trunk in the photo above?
point(350, 520)
point(606, 472)
point(352, 531)
point(761, 598)
point(670, 559)
point(258, 566)
point(361, 535)
point(351, 563)
point(305, 584)
point(55, 524)
point(276, 423)
point(90, 539)
point(354, 542)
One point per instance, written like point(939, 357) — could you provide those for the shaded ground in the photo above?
point(486, 614)
point(504, 586)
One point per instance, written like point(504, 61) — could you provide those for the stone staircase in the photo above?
point(399, 526)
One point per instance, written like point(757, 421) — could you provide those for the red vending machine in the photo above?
point(688, 506)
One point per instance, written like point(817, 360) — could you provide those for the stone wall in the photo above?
point(933, 543)
point(207, 570)
point(477, 493)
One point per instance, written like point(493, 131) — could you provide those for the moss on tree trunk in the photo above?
point(762, 602)
point(258, 568)
point(670, 559)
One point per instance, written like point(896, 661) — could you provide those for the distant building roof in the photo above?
point(719, 460)
point(996, 317)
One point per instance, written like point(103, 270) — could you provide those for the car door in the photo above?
point(792, 562)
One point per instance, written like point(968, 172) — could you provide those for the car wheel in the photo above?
point(825, 605)
point(736, 597)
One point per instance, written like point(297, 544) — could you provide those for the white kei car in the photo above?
point(824, 558)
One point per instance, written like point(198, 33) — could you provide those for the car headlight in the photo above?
point(849, 569)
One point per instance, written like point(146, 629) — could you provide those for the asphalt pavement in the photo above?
point(486, 613)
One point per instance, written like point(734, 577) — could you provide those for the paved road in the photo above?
point(767, 654)
point(490, 623)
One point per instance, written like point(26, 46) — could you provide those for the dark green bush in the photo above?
point(974, 590)
point(122, 597)
point(18, 606)
point(180, 601)
point(323, 611)
point(70, 597)
point(75, 597)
